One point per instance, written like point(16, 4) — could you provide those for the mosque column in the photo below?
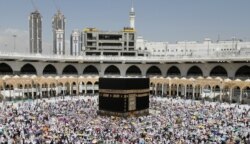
point(63, 88)
point(93, 88)
point(85, 89)
point(4, 96)
point(10, 91)
point(70, 89)
point(155, 89)
point(48, 90)
point(185, 91)
point(201, 89)
point(230, 94)
point(81, 88)
point(32, 92)
point(214, 92)
point(241, 95)
point(77, 89)
point(162, 89)
point(211, 91)
point(170, 89)
point(36, 90)
point(193, 91)
point(220, 94)
point(177, 89)
point(23, 91)
point(13, 93)
point(41, 91)
point(57, 90)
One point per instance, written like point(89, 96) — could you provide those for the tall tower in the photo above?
point(75, 43)
point(58, 26)
point(35, 28)
point(132, 16)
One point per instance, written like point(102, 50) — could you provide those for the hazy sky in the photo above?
point(156, 20)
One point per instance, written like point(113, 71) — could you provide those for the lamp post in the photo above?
point(14, 38)
point(5, 47)
point(74, 50)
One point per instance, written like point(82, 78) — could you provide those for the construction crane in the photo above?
point(56, 5)
point(33, 4)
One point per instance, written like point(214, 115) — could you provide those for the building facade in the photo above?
point(35, 32)
point(114, 43)
point(220, 48)
point(58, 26)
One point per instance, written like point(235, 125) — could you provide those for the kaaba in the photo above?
point(123, 96)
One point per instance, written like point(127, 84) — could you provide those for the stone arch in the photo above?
point(173, 71)
point(216, 92)
point(52, 89)
point(49, 69)
point(5, 69)
point(226, 94)
point(236, 94)
point(246, 95)
point(218, 71)
point(243, 71)
point(152, 88)
point(90, 70)
point(28, 69)
point(153, 71)
point(189, 91)
point(194, 71)
point(60, 86)
point(70, 70)
point(74, 88)
point(89, 86)
point(96, 87)
point(133, 70)
point(112, 70)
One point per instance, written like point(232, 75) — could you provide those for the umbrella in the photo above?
point(94, 141)
point(201, 126)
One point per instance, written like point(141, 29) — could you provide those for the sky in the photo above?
point(156, 20)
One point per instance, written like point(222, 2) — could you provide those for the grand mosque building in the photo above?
point(217, 71)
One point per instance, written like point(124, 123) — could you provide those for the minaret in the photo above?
point(75, 43)
point(58, 25)
point(132, 16)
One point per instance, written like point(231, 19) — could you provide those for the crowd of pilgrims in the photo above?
point(74, 120)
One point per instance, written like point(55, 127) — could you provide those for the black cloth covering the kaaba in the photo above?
point(123, 83)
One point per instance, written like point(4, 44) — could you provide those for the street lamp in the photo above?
point(74, 50)
point(5, 47)
point(14, 37)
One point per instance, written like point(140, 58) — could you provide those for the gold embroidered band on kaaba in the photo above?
point(112, 91)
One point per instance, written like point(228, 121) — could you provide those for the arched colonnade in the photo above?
point(33, 87)
point(224, 90)
point(190, 88)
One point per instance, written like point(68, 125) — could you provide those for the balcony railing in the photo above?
point(42, 57)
